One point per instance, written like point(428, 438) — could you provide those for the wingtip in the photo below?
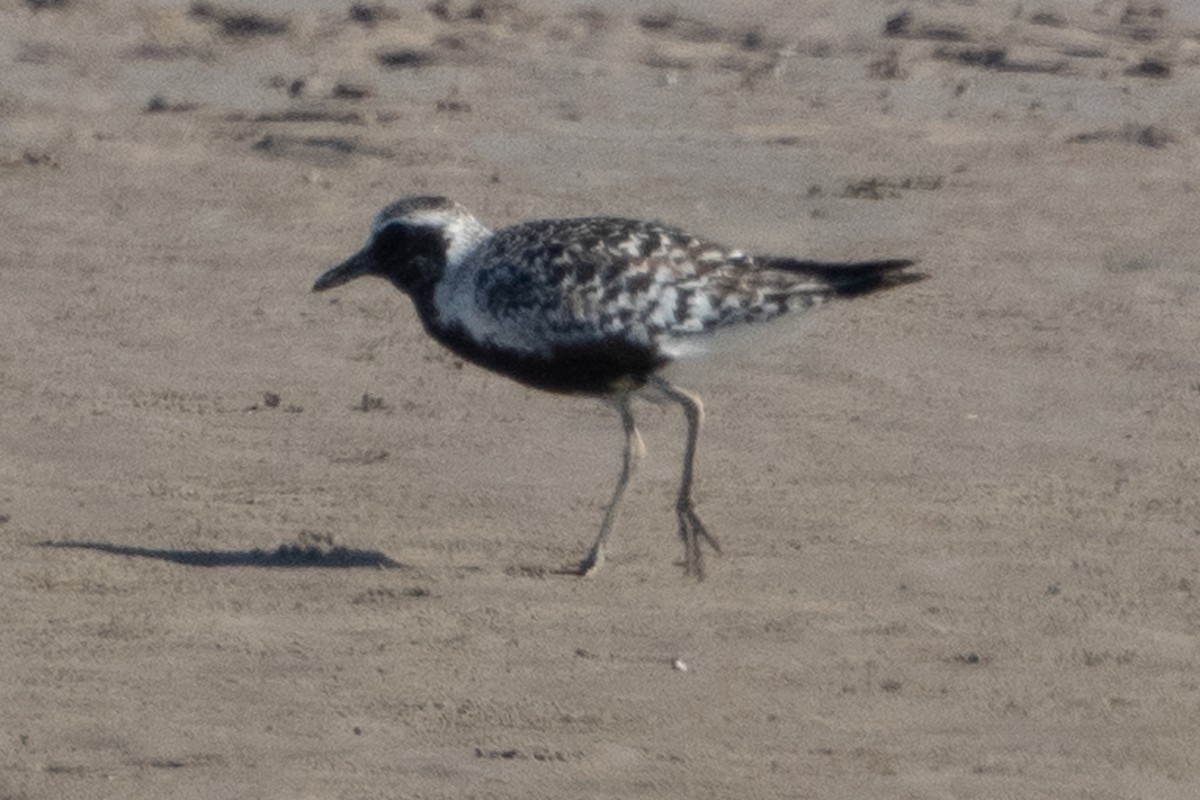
point(907, 277)
point(881, 266)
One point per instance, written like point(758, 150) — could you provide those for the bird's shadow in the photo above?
point(289, 556)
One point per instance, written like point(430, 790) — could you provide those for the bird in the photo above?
point(594, 306)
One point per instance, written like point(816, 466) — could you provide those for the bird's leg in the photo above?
point(691, 529)
point(634, 449)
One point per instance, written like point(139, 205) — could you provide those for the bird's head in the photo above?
point(411, 243)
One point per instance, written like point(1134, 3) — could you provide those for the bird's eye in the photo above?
point(391, 243)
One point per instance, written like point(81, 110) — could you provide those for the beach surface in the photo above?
point(260, 542)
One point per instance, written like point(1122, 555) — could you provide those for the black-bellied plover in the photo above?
point(594, 306)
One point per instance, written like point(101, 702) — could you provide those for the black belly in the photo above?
point(596, 368)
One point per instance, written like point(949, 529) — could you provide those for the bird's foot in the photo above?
point(692, 531)
point(590, 564)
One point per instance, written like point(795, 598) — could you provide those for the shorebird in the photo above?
point(594, 306)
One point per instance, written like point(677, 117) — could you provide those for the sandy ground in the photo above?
point(256, 542)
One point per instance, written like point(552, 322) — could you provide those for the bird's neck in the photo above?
point(462, 235)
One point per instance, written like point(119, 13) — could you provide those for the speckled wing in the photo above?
point(573, 281)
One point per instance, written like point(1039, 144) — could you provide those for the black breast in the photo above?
point(595, 368)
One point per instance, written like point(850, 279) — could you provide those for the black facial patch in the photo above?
point(410, 256)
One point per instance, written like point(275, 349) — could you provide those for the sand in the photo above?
point(256, 542)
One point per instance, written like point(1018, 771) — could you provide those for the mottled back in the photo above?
point(533, 284)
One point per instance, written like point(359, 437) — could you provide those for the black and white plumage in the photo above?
point(593, 306)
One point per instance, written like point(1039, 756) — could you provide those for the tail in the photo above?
point(849, 278)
